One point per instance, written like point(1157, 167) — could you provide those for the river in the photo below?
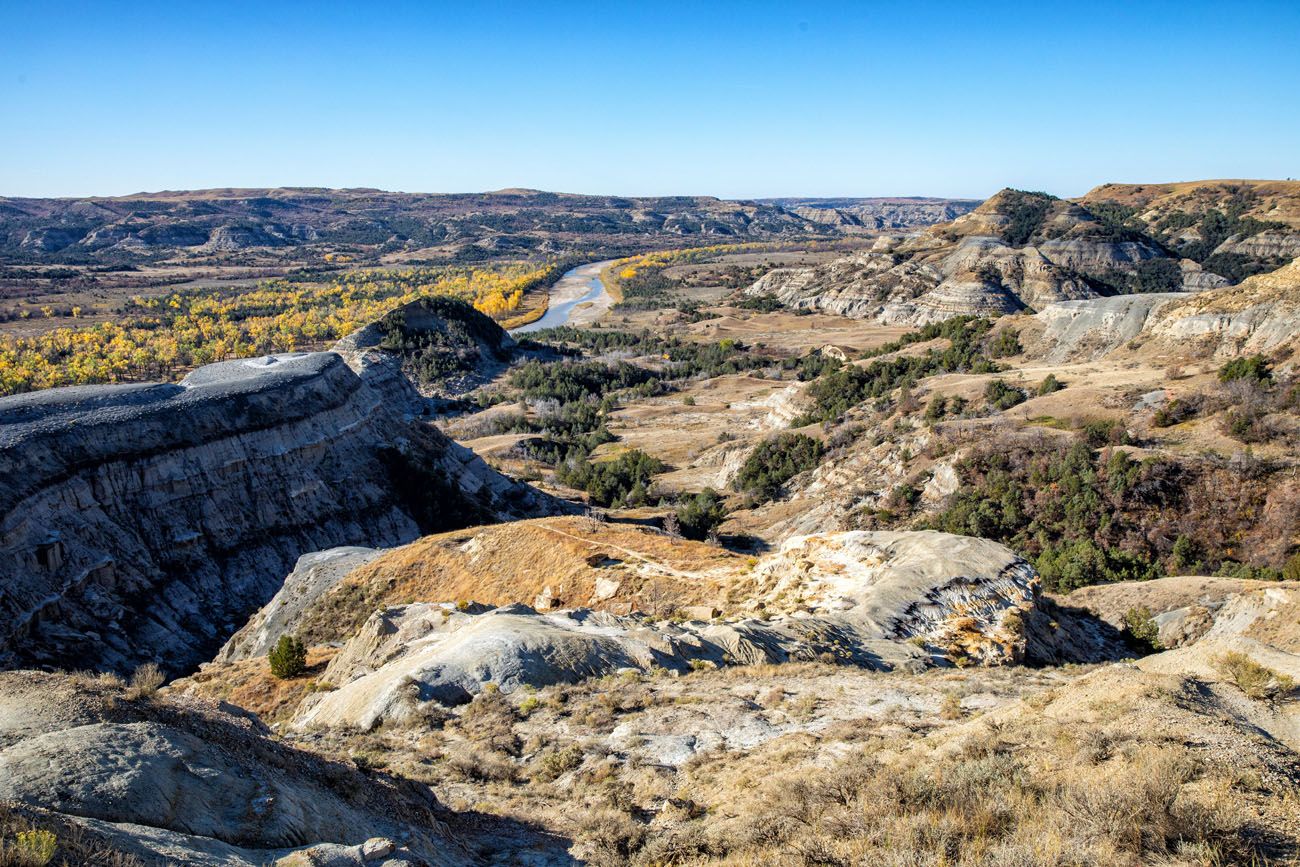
point(577, 298)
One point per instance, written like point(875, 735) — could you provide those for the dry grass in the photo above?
point(250, 684)
point(1255, 680)
point(516, 562)
point(1107, 766)
point(145, 682)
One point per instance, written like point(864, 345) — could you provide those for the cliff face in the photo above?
point(1261, 314)
point(147, 522)
point(1016, 250)
point(878, 213)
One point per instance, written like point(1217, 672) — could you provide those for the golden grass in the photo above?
point(250, 684)
point(517, 562)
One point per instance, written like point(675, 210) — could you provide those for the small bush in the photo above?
point(288, 658)
point(1291, 571)
point(145, 681)
point(1050, 385)
point(612, 837)
point(32, 848)
point(1255, 680)
point(1002, 395)
point(529, 705)
point(699, 515)
point(1252, 368)
point(553, 764)
point(1104, 432)
point(481, 766)
point(1141, 629)
point(490, 720)
point(1006, 343)
point(1176, 411)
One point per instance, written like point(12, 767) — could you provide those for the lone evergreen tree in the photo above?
point(288, 658)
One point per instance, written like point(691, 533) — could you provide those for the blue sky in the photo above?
point(730, 99)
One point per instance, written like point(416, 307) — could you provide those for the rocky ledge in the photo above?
point(878, 600)
point(146, 522)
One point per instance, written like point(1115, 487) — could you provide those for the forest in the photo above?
point(165, 336)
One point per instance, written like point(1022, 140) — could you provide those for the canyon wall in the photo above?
point(146, 522)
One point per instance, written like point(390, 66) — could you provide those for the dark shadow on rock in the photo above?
point(1057, 634)
point(502, 840)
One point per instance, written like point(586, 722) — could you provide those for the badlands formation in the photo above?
point(941, 638)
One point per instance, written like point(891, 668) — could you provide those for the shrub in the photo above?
point(553, 764)
point(1104, 432)
point(699, 515)
point(612, 836)
point(145, 681)
point(774, 462)
point(1085, 562)
point(483, 766)
point(489, 720)
point(1186, 556)
point(31, 848)
point(1141, 629)
point(1002, 395)
point(1247, 571)
point(288, 658)
point(1176, 411)
point(1049, 385)
point(1291, 571)
point(1006, 343)
point(1255, 680)
point(1252, 368)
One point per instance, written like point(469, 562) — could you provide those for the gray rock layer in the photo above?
point(146, 522)
point(182, 781)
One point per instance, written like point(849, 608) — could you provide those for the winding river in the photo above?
point(577, 298)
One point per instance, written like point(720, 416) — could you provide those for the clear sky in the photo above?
point(744, 99)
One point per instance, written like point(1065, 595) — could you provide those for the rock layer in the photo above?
point(978, 264)
point(880, 600)
point(145, 522)
point(184, 781)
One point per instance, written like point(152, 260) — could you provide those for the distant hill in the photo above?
point(1235, 228)
point(1017, 250)
point(897, 212)
point(201, 226)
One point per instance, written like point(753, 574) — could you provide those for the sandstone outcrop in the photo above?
point(879, 213)
point(146, 522)
point(881, 600)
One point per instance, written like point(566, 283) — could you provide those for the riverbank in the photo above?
point(578, 298)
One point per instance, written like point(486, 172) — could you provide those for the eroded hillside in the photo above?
point(1017, 250)
point(1009, 580)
